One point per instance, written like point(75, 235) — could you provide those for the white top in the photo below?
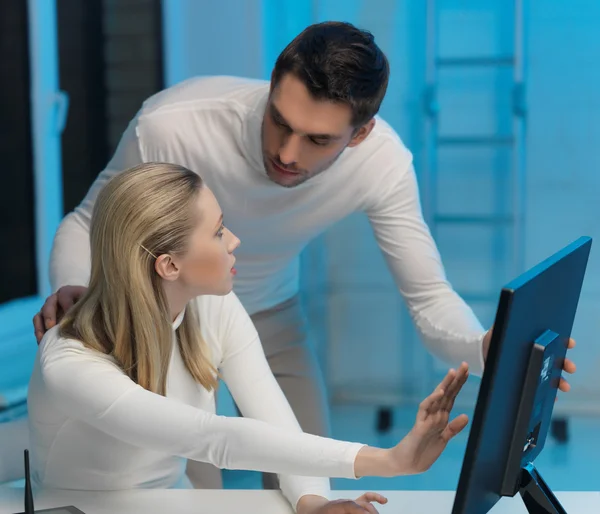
point(213, 127)
point(91, 427)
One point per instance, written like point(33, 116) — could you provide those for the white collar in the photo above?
point(178, 319)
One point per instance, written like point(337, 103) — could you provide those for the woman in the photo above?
point(122, 391)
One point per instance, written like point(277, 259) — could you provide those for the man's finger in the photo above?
point(571, 343)
point(569, 366)
point(65, 300)
point(564, 386)
point(49, 311)
point(38, 327)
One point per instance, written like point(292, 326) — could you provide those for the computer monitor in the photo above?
point(518, 388)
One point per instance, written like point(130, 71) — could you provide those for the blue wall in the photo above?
point(360, 302)
point(354, 300)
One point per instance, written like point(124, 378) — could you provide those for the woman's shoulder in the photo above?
point(225, 323)
point(55, 344)
point(220, 314)
point(54, 340)
point(214, 308)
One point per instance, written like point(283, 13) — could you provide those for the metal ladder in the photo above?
point(434, 140)
point(514, 142)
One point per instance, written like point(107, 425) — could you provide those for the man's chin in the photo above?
point(283, 183)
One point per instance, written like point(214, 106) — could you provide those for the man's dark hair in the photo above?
point(338, 62)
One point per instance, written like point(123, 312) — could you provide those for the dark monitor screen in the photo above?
point(533, 324)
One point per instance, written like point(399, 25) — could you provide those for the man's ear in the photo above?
point(362, 133)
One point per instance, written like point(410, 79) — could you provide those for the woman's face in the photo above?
point(208, 265)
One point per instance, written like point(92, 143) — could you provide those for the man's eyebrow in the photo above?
point(281, 120)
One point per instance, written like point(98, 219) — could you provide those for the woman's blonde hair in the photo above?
point(143, 212)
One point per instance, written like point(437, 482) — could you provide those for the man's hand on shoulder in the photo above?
point(54, 309)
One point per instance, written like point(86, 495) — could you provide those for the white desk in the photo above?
point(195, 501)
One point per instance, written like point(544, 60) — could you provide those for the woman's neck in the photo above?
point(177, 299)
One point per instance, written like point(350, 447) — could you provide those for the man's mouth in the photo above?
point(283, 170)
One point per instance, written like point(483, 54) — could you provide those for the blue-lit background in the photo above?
point(516, 201)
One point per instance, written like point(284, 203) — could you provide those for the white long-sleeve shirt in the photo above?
point(213, 127)
point(93, 428)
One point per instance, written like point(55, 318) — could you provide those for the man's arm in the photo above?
point(447, 326)
point(70, 259)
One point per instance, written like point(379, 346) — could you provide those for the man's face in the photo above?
point(301, 136)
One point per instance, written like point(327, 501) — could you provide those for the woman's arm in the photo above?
point(89, 386)
point(258, 395)
point(249, 378)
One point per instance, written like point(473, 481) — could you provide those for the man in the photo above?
point(286, 160)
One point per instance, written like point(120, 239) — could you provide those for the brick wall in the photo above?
point(16, 198)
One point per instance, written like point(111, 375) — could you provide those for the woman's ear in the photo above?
point(167, 267)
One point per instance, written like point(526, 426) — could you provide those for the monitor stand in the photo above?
point(537, 496)
point(532, 422)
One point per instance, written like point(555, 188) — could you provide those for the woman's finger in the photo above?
point(373, 497)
